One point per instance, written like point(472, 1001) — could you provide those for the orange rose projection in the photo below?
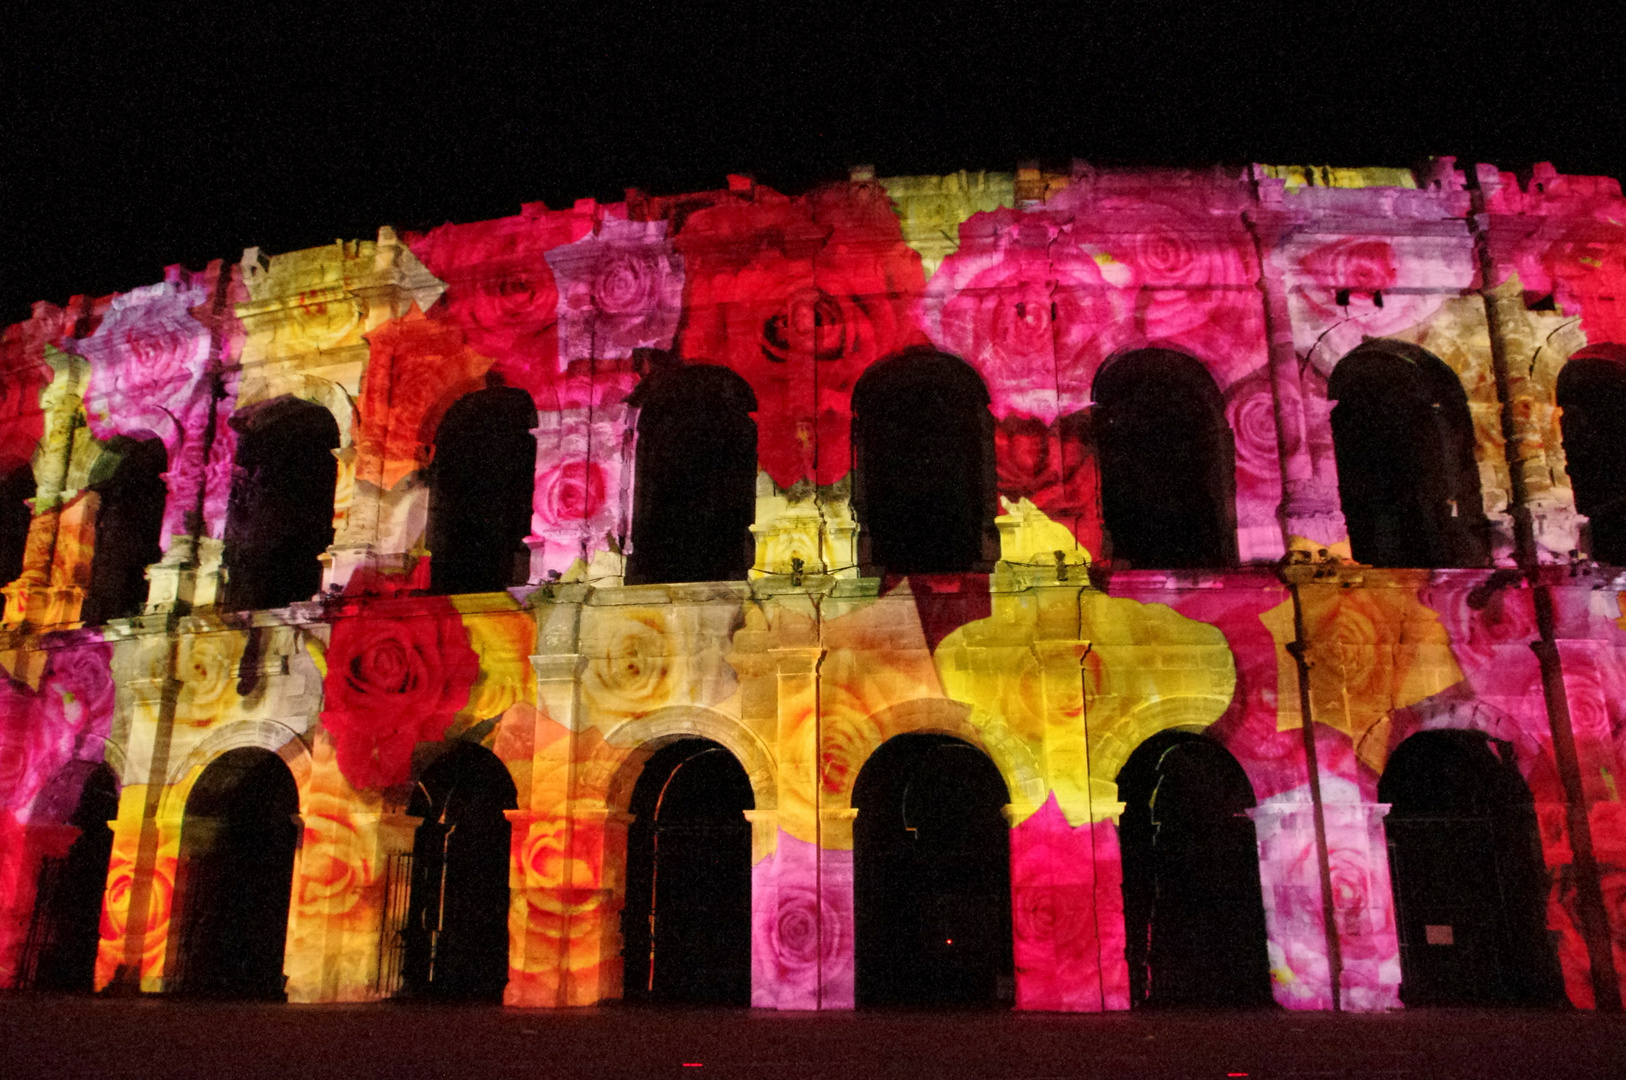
point(1055, 662)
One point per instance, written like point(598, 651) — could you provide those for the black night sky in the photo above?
point(175, 133)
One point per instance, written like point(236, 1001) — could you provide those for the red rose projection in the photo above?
point(799, 296)
point(1055, 678)
point(392, 683)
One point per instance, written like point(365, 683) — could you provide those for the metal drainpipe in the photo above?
point(1298, 647)
point(127, 980)
point(1589, 907)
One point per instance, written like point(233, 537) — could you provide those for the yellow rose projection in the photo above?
point(1051, 643)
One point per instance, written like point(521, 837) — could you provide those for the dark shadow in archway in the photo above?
point(60, 952)
point(1168, 462)
point(16, 514)
point(695, 492)
point(1466, 866)
point(932, 876)
point(686, 926)
point(236, 870)
point(128, 526)
point(281, 516)
point(457, 919)
point(1592, 395)
point(1404, 443)
point(1194, 915)
point(923, 466)
point(480, 485)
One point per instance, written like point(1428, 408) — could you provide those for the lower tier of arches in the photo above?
point(922, 893)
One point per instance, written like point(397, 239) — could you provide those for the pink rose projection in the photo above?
point(801, 296)
point(1027, 306)
point(1344, 291)
point(1067, 914)
point(1363, 905)
point(620, 289)
point(68, 718)
point(802, 928)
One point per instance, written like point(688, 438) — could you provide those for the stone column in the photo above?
point(23, 851)
point(337, 930)
point(1311, 514)
point(567, 886)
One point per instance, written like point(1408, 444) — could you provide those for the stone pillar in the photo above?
point(567, 886)
point(1067, 914)
point(1587, 682)
point(23, 851)
point(1363, 906)
point(1290, 878)
point(1311, 514)
point(337, 933)
point(136, 942)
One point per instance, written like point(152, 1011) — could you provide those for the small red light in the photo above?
point(1236, 1074)
point(951, 941)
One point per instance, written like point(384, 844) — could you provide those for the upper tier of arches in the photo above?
point(1147, 475)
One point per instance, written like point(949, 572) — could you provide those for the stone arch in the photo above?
point(1167, 459)
point(1590, 395)
point(131, 477)
point(694, 490)
point(280, 518)
point(307, 388)
point(1189, 713)
point(923, 470)
point(675, 722)
point(945, 716)
point(482, 479)
point(1407, 458)
point(275, 736)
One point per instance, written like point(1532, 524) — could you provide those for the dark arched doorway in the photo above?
point(128, 525)
point(457, 919)
point(280, 520)
point(1404, 444)
point(1592, 395)
point(932, 876)
point(923, 466)
point(16, 514)
point(1194, 915)
point(480, 484)
point(236, 870)
point(1168, 472)
point(686, 926)
point(1465, 863)
point(60, 952)
point(695, 483)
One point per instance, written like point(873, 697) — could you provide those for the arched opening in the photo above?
point(932, 876)
point(686, 926)
point(1168, 473)
point(1404, 443)
point(16, 514)
point(281, 517)
point(1592, 395)
point(60, 952)
point(1194, 914)
point(236, 869)
point(457, 918)
point(480, 485)
point(695, 490)
point(1469, 883)
point(128, 526)
point(923, 466)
